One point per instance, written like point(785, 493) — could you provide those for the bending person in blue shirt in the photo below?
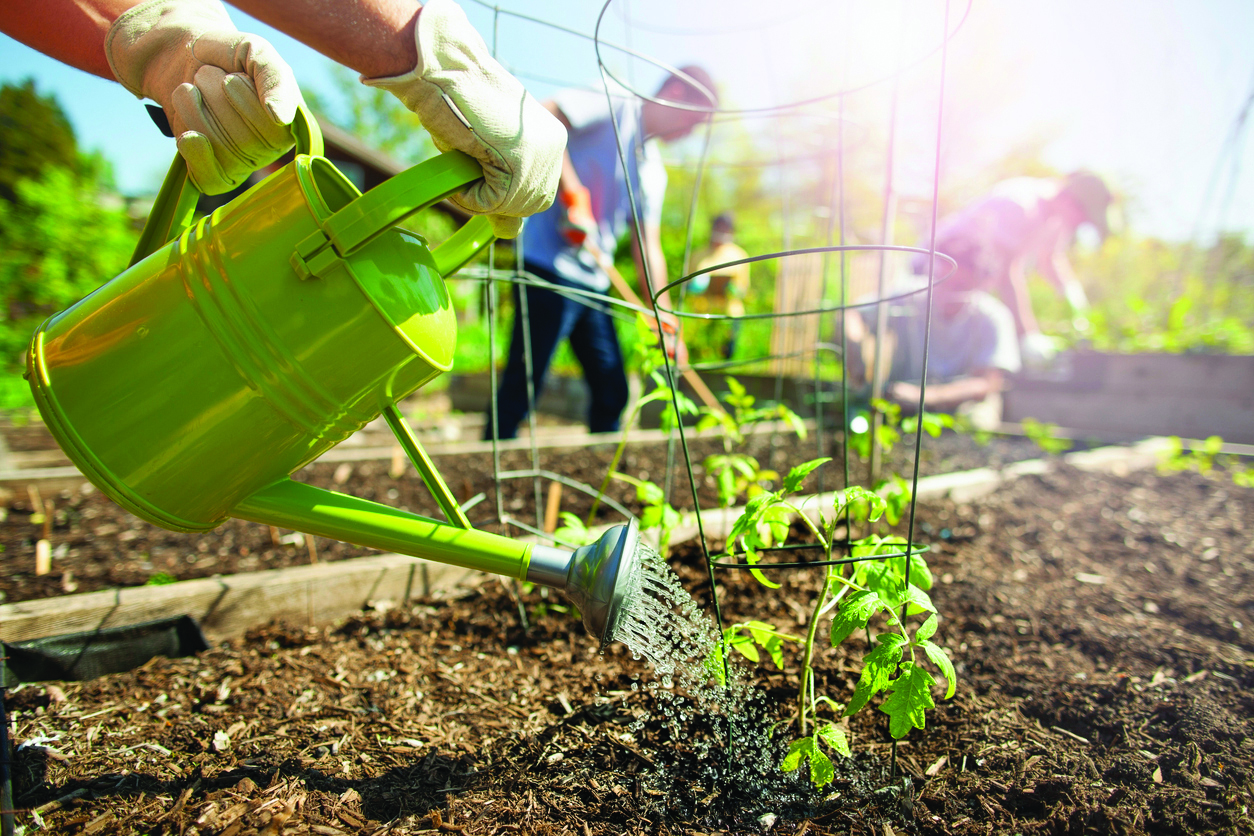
point(972, 347)
point(565, 244)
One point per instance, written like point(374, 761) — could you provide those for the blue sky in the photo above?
point(1143, 91)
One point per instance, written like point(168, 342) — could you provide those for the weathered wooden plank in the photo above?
point(1145, 413)
point(229, 606)
point(1189, 395)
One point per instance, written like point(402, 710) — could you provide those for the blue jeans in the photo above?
point(553, 317)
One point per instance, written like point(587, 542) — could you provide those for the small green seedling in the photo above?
point(573, 532)
point(657, 513)
point(882, 582)
point(737, 474)
point(747, 638)
point(886, 433)
point(1046, 436)
point(892, 426)
point(1203, 459)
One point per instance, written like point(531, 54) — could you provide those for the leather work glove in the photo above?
point(467, 101)
point(229, 96)
point(579, 222)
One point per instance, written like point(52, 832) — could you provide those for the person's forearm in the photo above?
point(373, 37)
point(71, 31)
point(569, 181)
point(947, 395)
point(1020, 302)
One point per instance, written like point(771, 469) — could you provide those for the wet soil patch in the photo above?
point(1100, 628)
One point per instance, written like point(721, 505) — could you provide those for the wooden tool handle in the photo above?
point(625, 290)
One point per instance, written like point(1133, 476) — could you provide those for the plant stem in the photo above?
point(806, 673)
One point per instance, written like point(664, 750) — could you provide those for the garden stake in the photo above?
point(552, 506)
point(238, 350)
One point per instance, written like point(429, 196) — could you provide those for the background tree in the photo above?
point(34, 134)
point(63, 229)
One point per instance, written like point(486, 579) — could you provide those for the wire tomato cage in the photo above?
point(837, 244)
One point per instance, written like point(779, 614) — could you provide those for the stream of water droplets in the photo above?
point(663, 624)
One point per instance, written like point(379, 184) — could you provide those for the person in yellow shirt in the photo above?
point(721, 290)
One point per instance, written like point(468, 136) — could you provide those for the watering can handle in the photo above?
point(410, 191)
point(172, 210)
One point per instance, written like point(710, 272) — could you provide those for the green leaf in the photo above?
point(890, 410)
point(751, 557)
point(834, 737)
point(660, 393)
point(766, 637)
point(645, 334)
point(805, 749)
point(918, 601)
point(857, 497)
point(649, 493)
point(897, 495)
point(821, 770)
point(708, 420)
point(878, 667)
point(574, 531)
point(776, 520)
point(909, 698)
point(927, 629)
point(793, 420)
point(792, 482)
point(854, 613)
point(726, 481)
point(920, 574)
point(666, 421)
point(743, 645)
point(940, 659)
point(798, 749)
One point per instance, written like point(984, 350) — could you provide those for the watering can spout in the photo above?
point(598, 578)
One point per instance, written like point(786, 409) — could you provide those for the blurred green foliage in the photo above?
point(63, 229)
point(34, 135)
point(1152, 296)
point(374, 116)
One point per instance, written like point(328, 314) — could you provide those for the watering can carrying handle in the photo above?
point(172, 210)
point(410, 191)
point(356, 224)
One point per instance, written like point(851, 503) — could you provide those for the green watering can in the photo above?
point(237, 350)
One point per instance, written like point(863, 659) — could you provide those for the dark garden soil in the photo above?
point(1101, 629)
